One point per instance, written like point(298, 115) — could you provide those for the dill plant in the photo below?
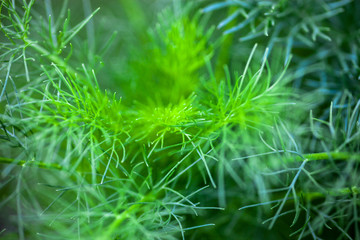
point(160, 126)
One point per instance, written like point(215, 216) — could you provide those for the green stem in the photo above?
point(335, 156)
point(327, 156)
point(335, 193)
point(331, 155)
point(31, 163)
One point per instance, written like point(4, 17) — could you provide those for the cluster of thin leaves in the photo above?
point(60, 119)
point(78, 161)
point(83, 162)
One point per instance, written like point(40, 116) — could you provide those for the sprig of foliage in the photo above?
point(152, 126)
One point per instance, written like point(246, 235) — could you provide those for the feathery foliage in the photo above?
point(133, 119)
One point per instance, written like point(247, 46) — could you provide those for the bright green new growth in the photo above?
point(171, 60)
point(188, 142)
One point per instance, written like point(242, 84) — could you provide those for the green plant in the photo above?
point(135, 126)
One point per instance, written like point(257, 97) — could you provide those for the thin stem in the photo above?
point(31, 163)
point(335, 193)
point(310, 156)
point(331, 155)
